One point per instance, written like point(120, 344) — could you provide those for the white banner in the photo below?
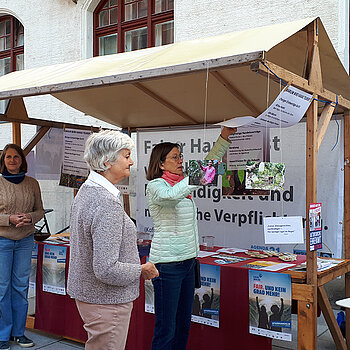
point(237, 221)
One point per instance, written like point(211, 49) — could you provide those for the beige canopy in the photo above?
point(191, 82)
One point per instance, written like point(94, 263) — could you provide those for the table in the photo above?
point(58, 314)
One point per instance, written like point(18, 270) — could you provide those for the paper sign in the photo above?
point(287, 109)
point(283, 230)
point(246, 144)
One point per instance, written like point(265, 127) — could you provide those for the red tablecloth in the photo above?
point(58, 314)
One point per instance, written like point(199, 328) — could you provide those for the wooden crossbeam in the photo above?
point(330, 319)
point(299, 82)
point(235, 92)
point(37, 137)
point(323, 123)
point(165, 103)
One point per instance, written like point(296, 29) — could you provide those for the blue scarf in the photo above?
point(14, 178)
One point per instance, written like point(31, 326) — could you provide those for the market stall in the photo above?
point(227, 74)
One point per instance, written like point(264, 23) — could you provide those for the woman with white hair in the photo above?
point(104, 267)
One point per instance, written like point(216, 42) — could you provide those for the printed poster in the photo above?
point(74, 169)
point(206, 304)
point(315, 224)
point(54, 269)
point(270, 302)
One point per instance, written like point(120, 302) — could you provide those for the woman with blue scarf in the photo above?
point(20, 208)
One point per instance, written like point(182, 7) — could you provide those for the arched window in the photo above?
point(127, 25)
point(11, 47)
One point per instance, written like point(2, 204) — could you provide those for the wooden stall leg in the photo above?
point(307, 325)
point(330, 319)
point(306, 296)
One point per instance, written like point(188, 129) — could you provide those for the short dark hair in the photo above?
point(24, 165)
point(158, 155)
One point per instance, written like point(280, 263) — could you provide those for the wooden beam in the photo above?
point(48, 123)
point(298, 82)
point(323, 123)
point(303, 292)
point(235, 92)
point(311, 187)
point(330, 319)
point(165, 103)
point(37, 137)
point(16, 134)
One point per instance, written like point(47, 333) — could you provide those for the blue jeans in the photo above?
point(15, 265)
point(173, 300)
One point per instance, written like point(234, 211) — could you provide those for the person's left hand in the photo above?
point(24, 220)
point(226, 132)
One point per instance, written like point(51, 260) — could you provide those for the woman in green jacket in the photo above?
point(175, 242)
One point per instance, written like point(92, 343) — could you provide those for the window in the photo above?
point(11, 48)
point(127, 25)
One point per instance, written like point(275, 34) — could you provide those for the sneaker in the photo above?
point(4, 345)
point(23, 341)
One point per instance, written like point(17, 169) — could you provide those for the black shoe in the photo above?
point(23, 341)
point(4, 345)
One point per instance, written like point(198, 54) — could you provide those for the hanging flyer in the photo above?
point(315, 224)
point(246, 144)
point(264, 176)
point(54, 269)
point(286, 110)
point(270, 304)
point(74, 169)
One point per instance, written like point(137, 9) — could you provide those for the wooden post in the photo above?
point(307, 338)
point(346, 219)
point(16, 133)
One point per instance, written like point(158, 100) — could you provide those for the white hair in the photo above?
point(105, 146)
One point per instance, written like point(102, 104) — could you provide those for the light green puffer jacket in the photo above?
point(175, 216)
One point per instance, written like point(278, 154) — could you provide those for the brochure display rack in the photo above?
point(228, 62)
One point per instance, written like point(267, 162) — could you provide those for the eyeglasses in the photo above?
point(176, 157)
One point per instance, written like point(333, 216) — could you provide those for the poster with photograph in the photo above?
point(54, 269)
point(265, 176)
point(203, 172)
point(315, 224)
point(270, 302)
point(234, 184)
point(33, 269)
point(206, 304)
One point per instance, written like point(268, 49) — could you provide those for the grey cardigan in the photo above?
point(104, 265)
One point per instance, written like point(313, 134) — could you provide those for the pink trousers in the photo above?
point(106, 325)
